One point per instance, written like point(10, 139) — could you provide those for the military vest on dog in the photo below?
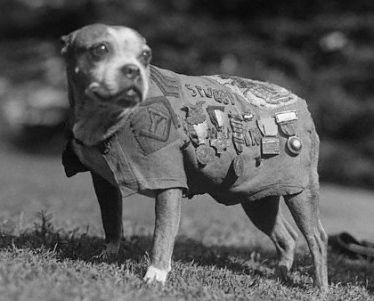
point(236, 139)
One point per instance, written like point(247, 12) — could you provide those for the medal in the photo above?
point(238, 165)
point(294, 145)
point(204, 154)
point(270, 146)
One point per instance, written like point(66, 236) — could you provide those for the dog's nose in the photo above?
point(131, 71)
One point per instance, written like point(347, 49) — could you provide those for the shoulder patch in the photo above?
point(261, 94)
point(167, 84)
point(154, 124)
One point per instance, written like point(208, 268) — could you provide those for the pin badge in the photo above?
point(270, 146)
point(201, 131)
point(195, 113)
point(238, 165)
point(204, 154)
point(237, 132)
point(247, 116)
point(219, 143)
point(294, 145)
point(285, 116)
point(267, 126)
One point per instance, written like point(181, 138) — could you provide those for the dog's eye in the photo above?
point(99, 51)
point(146, 56)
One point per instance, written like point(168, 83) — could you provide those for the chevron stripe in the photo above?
point(168, 85)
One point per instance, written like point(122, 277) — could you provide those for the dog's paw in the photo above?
point(105, 256)
point(109, 254)
point(282, 273)
point(155, 275)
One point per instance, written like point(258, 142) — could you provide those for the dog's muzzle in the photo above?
point(127, 97)
point(130, 88)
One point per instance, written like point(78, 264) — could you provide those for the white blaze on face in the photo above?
point(127, 46)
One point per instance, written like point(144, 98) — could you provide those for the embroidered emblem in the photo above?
point(208, 92)
point(220, 95)
point(268, 92)
point(167, 84)
point(152, 122)
point(258, 93)
point(189, 87)
point(159, 127)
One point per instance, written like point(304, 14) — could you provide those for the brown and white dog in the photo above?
point(112, 87)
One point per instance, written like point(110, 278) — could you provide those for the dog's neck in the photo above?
point(94, 125)
point(92, 122)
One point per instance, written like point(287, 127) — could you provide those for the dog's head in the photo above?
point(107, 65)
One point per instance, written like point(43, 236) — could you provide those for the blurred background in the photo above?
point(321, 50)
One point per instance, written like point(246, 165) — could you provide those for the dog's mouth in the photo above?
point(126, 98)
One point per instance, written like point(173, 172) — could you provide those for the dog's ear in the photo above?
point(66, 42)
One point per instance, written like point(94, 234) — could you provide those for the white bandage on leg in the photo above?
point(155, 274)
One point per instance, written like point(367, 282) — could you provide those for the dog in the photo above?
point(140, 128)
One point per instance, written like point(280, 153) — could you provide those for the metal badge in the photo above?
point(253, 137)
point(248, 116)
point(217, 116)
point(267, 126)
point(236, 122)
point(294, 145)
point(270, 146)
point(104, 147)
point(219, 143)
point(286, 116)
point(201, 131)
point(238, 165)
point(195, 113)
point(288, 128)
point(204, 154)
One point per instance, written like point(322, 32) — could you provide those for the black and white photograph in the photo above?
point(186, 150)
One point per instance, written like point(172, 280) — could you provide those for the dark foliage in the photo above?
point(321, 50)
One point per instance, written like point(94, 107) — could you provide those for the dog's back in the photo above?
point(234, 138)
point(249, 139)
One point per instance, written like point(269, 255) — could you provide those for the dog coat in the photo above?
point(236, 139)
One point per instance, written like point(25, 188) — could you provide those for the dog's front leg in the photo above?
point(168, 210)
point(110, 201)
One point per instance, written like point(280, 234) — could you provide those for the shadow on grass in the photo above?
point(252, 261)
point(74, 246)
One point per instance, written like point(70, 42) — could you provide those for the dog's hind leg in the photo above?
point(304, 208)
point(305, 211)
point(168, 210)
point(266, 216)
point(110, 201)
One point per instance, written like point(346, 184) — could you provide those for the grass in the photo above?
point(51, 232)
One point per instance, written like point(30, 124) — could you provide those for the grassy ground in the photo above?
point(219, 255)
